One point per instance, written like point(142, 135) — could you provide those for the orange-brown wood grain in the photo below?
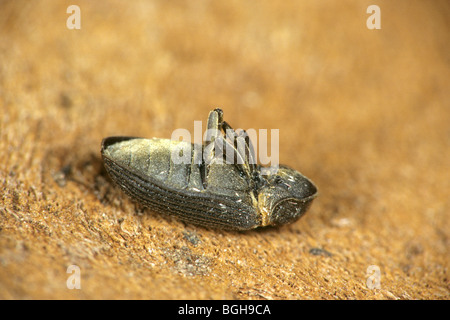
point(363, 113)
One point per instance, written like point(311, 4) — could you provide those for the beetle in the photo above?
point(206, 191)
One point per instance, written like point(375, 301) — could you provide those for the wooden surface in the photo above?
point(364, 113)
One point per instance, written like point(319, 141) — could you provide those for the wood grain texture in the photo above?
point(363, 113)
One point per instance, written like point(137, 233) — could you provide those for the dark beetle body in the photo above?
point(207, 193)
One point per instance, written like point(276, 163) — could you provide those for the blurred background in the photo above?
point(364, 113)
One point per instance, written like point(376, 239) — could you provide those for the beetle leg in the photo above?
point(238, 160)
point(249, 150)
point(247, 156)
point(243, 157)
point(215, 118)
point(231, 135)
point(213, 125)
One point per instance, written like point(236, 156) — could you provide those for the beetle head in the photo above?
point(285, 197)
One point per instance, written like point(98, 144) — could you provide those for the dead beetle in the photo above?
point(207, 191)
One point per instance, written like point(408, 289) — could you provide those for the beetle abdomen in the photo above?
point(172, 191)
point(153, 157)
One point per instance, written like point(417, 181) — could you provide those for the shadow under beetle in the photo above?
point(207, 191)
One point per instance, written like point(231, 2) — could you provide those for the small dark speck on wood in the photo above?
point(65, 101)
point(61, 176)
point(320, 252)
point(191, 237)
point(188, 263)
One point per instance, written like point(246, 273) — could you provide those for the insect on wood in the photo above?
point(207, 191)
